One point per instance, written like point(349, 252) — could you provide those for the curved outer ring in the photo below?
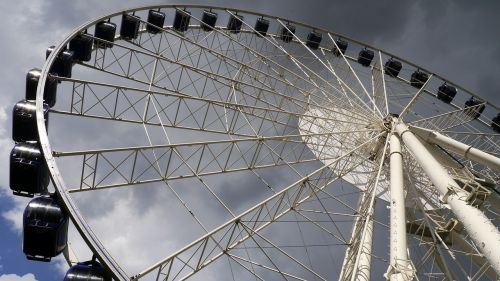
point(78, 220)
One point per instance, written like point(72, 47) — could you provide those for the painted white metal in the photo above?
point(69, 255)
point(331, 70)
point(438, 251)
point(326, 147)
point(484, 234)
point(362, 266)
point(399, 267)
point(365, 255)
point(463, 149)
point(386, 103)
point(410, 104)
point(463, 245)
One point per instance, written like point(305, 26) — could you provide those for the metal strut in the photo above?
point(464, 150)
point(400, 268)
point(361, 269)
point(484, 234)
point(365, 252)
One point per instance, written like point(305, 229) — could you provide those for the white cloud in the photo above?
point(5, 147)
point(14, 277)
point(60, 263)
point(15, 215)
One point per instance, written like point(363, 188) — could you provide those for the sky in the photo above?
point(453, 38)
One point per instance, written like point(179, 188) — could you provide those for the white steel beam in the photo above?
point(484, 234)
point(459, 241)
point(208, 248)
point(365, 254)
point(400, 268)
point(463, 149)
point(361, 270)
point(69, 255)
point(414, 99)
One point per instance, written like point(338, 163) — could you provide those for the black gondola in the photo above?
point(105, 30)
point(29, 174)
point(81, 46)
point(234, 24)
point(24, 121)
point(63, 63)
point(314, 39)
point(392, 67)
point(49, 51)
point(208, 20)
point(85, 271)
point(181, 20)
point(365, 57)
point(261, 26)
point(342, 47)
point(446, 93)
point(287, 32)
point(156, 19)
point(50, 89)
point(474, 107)
point(495, 123)
point(418, 79)
point(129, 29)
point(45, 229)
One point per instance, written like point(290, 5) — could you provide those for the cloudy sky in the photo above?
point(453, 38)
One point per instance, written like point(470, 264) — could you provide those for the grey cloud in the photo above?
point(455, 39)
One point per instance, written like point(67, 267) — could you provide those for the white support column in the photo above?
point(362, 265)
point(365, 255)
point(400, 268)
point(463, 149)
point(484, 234)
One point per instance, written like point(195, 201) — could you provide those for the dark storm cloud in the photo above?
point(452, 38)
point(73, 13)
point(455, 39)
point(362, 20)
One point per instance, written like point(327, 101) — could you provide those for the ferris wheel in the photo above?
point(243, 146)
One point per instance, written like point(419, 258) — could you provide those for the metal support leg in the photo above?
point(484, 234)
point(365, 258)
point(400, 268)
point(465, 150)
point(362, 270)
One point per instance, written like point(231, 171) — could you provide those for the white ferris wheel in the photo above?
point(269, 150)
